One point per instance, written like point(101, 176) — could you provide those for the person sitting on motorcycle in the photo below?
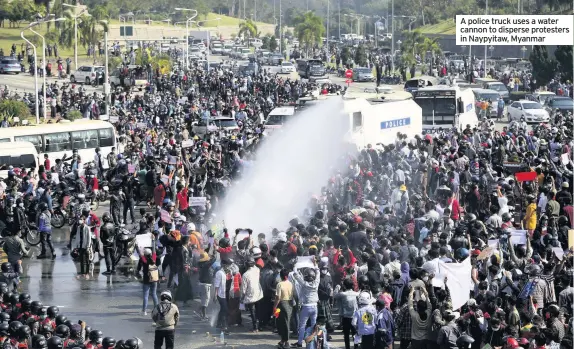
point(20, 219)
point(46, 197)
point(92, 184)
point(26, 188)
point(82, 206)
point(65, 195)
point(108, 235)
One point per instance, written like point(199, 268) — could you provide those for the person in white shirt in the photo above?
point(494, 220)
point(219, 284)
point(502, 202)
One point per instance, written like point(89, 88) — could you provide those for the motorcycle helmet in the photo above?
point(108, 342)
point(6, 297)
point(55, 343)
point(95, 336)
point(3, 287)
point(4, 329)
point(120, 344)
point(4, 318)
point(62, 331)
point(53, 311)
point(166, 296)
point(42, 312)
point(35, 306)
point(39, 342)
point(61, 319)
point(26, 305)
point(14, 326)
point(6, 267)
point(511, 343)
point(461, 253)
point(464, 342)
point(14, 299)
point(86, 212)
point(23, 332)
point(131, 343)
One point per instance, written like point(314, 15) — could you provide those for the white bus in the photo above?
point(278, 117)
point(62, 138)
point(18, 155)
point(446, 107)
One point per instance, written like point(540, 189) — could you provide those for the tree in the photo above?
point(21, 10)
point(345, 55)
point(563, 55)
point(309, 29)
point(248, 29)
point(361, 56)
point(430, 46)
point(273, 44)
point(412, 41)
point(543, 67)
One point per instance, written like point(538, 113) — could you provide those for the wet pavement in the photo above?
point(113, 304)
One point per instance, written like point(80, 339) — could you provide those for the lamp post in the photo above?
point(76, 16)
point(485, 46)
point(106, 69)
point(37, 106)
point(44, 60)
point(328, 15)
point(523, 49)
point(187, 33)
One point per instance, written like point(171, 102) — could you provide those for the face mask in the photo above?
point(426, 278)
point(324, 271)
point(21, 205)
point(496, 328)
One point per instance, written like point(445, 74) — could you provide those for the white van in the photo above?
point(278, 117)
point(18, 155)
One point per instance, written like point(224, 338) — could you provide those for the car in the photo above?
point(85, 74)
point(276, 59)
point(217, 49)
point(362, 75)
point(542, 96)
point(220, 123)
point(529, 110)
point(9, 65)
point(287, 67)
point(244, 54)
point(561, 104)
point(194, 52)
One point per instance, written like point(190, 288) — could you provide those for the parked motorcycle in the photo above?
point(125, 244)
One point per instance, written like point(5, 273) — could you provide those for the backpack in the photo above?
point(153, 273)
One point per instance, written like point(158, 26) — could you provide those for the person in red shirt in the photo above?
point(452, 202)
point(159, 194)
point(182, 202)
point(46, 162)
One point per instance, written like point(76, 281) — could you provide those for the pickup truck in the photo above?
point(131, 81)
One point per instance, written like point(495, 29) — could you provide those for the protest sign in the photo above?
point(195, 201)
point(305, 262)
point(131, 168)
point(518, 237)
point(187, 144)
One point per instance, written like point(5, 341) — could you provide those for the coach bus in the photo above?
point(446, 107)
point(62, 138)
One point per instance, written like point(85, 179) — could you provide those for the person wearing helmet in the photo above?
point(148, 266)
point(108, 236)
point(166, 317)
point(9, 277)
point(55, 343)
point(39, 342)
point(133, 343)
point(22, 337)
point(308, 297)
point(99, 162)
point(464, 342)
point(45, 228)
point(50, 319)
point(94, 339)
point(4, 332)
point(77, 335)
point(251, 291)
point(364, 319)
point(108, 343)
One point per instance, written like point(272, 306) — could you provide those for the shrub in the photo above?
point(73, 115)
point(11, 108)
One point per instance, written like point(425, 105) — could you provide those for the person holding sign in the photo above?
point(308, 297)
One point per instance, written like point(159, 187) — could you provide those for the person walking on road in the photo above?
point(166, 317)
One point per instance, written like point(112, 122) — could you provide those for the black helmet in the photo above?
point(86, 212)
point(464, 341)
point(131, 343)
point(61, 319)
point(14, 299)
point(24, 332)
point(46, 329)
point(53, 311)
point(4, 318)
point(107, 217)
point(55, 343)
point(120, 344)
point(108, 342)
point(24, 296)
point(26, 304)
point(6, 297)
point(6, 267)
point(42, 312)
point(3, 287)
point(35, 306)
point(39, 342)
point(42, 207)
point(95, 335)
point(68, 323)
point(4, 329)
point(62, 331)
point(14, 327)
point(506, 217)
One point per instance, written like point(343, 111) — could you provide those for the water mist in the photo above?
point(292, 164)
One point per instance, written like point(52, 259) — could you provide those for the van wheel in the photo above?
point(87, 81)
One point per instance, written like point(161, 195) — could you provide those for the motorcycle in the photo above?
point(58, 218)
point(124, 245)
point(31, 234)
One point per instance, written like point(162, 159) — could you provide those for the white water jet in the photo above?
point(291, 165)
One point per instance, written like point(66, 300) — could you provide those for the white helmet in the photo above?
point(166, 295)
point(190, 227)
point(365, 298)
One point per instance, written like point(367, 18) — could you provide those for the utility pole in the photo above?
point(392, 36)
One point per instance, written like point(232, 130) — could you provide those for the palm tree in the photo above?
point(431, 46)
point(248, 29)
point(309, 29)
point(412, 41)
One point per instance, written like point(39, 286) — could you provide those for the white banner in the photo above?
point(197, 201)
point(304, 262)
point(518, 237)
point(459, 281)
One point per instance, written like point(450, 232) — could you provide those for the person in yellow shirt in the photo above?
point(530, 218)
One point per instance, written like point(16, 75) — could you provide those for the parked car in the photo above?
point(276, 59)
point(362, 75)
point(85, 74)
point(221, 123)
point(9, 65)
point(530, 110)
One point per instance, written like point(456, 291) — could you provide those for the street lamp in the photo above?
point(187, 32)
point(523, 49)
point(76, 31)
point(106, 69)
point(44, 58)
point(35, 71)
point(485, 46)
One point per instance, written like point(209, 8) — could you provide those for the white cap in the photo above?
point(190, 227)
point(365, 298)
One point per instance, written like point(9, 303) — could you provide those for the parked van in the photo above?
point(415, 83)
point(18, 155)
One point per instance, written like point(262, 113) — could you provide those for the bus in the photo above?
point(19, 155)
point(62, 138)
point(278, 117)
point(446, 107)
